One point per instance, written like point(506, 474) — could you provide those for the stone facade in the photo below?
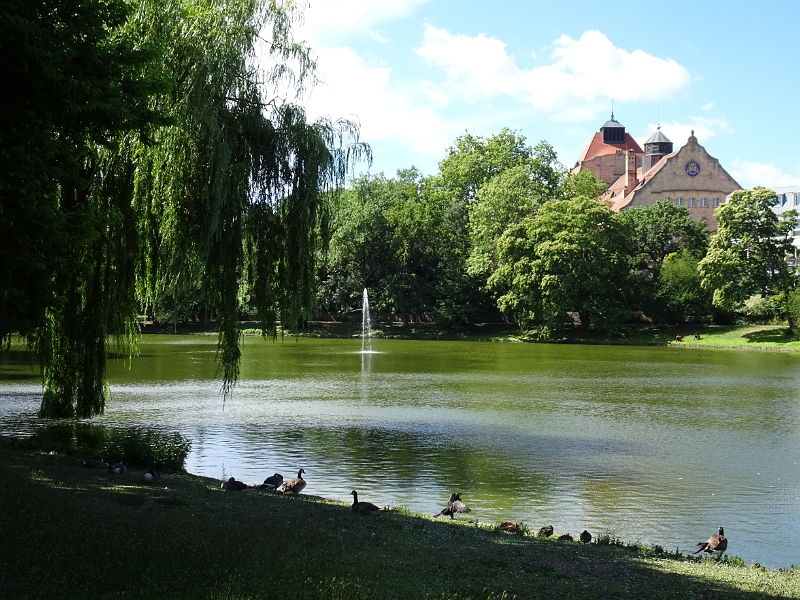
point(689, 177)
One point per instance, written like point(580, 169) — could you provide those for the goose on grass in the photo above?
point(366, 508)
point(294, 485)
point(716, 543)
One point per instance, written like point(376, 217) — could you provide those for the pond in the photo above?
point(651, 444)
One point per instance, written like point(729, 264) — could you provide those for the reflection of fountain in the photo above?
point(366, 325)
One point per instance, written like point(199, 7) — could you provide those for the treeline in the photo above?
point(503, 231)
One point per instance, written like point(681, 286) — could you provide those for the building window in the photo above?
point(691, 202)
point(716, 203)
point(797, 199)
point(703, 202)
point(678, 201)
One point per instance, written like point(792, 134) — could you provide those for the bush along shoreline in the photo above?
point(73, 532)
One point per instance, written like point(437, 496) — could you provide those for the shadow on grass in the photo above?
point(772, 335)
point(70, 532)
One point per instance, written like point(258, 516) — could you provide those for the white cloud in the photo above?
point(708, 106)
point(330, 20)
point(704, 129)
point(386, 114)
point(750, 174)
point(584, 76)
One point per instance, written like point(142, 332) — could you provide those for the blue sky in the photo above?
point(418, 73)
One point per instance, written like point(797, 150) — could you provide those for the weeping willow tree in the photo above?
point(225, 191)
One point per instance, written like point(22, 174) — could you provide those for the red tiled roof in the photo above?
point(596, 147)
point(618, 202)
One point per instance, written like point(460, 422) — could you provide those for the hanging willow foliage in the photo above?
point(229, 194)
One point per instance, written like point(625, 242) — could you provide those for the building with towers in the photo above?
point(688, 177)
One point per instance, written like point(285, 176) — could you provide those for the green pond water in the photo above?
point(659, 445)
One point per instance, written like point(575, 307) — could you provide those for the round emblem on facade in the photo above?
point(692, 168)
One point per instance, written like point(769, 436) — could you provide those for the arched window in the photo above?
point(703, 202)
point(691, 202)
point(678, 201)
point(716, 202)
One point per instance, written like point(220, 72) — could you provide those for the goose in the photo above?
point(586, 537)
point(546, 531)
point(367, 508)
point(454, 505)
point(566, 537)
point(150, 477)
point(295, 485)
point(117, 468)
point(716, 543)
point(272, 482)
point(95, 463)
point(233, 486)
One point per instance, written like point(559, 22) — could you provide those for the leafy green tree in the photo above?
point(793, 312)
point(748, 253)
point(414, 224)
point(227, 190)
point(571, 257)
point(663, 229)
point(71, 82)
point(507, 198)
point(679, 290)
point(385, 236)
point(471, 163)
point(659, 231)
point(358, 250)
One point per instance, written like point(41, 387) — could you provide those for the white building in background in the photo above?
point(789, 198)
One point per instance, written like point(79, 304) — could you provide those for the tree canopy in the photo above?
point(571, 257)
point(748, 254)
point(190, 172)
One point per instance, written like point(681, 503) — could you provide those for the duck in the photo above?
point(454, 505)
point(546, 531)
point(272, 482)
point(295, 485)
point(95, 463)
point(566, 537)
point(366, 508)
point(585, 537)
point(231, 485)
point(150, 477)
point(716, 543)
point(509, 526)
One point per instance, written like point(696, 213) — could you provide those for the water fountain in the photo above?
point(366, 325)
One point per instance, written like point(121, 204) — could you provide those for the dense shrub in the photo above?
point(793, 312)
point(132, 445)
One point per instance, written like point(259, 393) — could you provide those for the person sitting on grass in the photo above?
point(679, 338)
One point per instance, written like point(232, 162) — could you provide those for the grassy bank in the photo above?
point(71, 532)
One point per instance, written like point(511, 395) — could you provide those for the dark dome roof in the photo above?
point(612, 123)
point(658, 137)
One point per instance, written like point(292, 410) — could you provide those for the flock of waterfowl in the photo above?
point(716, 543)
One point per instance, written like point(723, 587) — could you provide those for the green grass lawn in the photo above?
point(71, 532)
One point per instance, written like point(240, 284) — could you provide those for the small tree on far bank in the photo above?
point(679, 289)
point(793, 312)
point(747, 256)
